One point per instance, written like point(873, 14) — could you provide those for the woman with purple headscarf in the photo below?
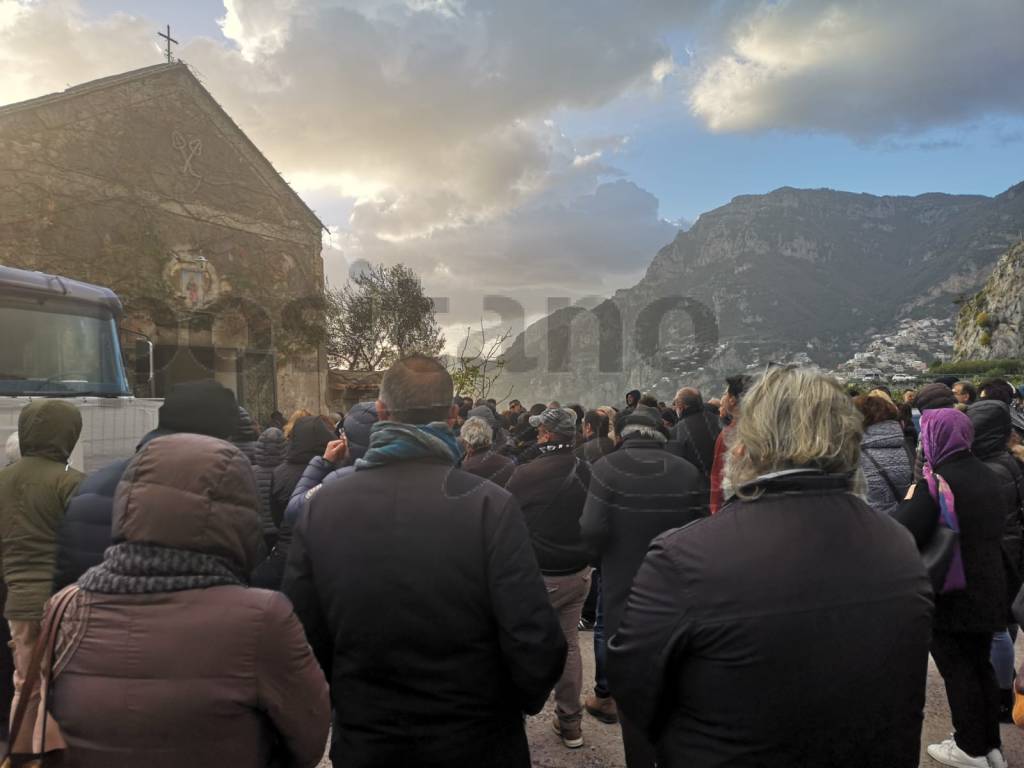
point(960, 491)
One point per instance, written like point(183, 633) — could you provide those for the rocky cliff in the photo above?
point(991, 323)
point(795, 273)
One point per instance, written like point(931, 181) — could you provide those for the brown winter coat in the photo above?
point(216, 677)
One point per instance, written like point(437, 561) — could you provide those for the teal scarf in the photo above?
point(391, 442)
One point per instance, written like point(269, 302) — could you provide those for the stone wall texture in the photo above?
point(142, 183)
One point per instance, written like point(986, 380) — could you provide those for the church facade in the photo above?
point(142, 183)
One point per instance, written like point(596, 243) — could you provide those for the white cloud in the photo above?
point(662, 69)
point(259, 28)
point(591, 244)
point(864, 69)
point(49, 45)
point(10, 10)
point(430, 129)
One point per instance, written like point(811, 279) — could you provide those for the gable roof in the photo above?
point(178, 67)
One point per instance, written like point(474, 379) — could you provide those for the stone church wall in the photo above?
point(146, 187)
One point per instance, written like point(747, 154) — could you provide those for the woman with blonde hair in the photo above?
point(741, 628)
point(289, 426)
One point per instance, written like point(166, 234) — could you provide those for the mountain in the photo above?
point(807, 274)
point(991, 324)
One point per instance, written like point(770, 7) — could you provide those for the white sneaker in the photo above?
point(996, 759)
point(948, 753)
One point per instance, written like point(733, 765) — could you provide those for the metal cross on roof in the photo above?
point(169, 39)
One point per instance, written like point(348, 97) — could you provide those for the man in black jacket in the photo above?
point(552, 490)
point(200, 407)
point(421, 596)
point(596, 442)
point(992, 427)
point(694, 435)
point(636, 493)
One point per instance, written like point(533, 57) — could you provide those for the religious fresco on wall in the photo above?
point(193, 279)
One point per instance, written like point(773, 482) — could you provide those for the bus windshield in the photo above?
point(47, 351)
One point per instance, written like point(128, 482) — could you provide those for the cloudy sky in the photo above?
point(541, 148)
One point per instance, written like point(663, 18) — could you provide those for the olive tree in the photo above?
point(379, 316)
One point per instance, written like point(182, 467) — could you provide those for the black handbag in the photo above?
point(937, 555)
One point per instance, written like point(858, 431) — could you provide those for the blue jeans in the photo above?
point(1001, 654)
point(600, 646)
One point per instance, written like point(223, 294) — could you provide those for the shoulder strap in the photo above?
point(566, 484)
point(43, 650)
point(570, 477)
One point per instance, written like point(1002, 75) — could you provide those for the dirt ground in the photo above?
point(603, 747)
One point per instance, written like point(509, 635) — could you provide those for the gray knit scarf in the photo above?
point(143, 569)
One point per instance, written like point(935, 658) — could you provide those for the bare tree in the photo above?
point(475, 372)
point(379, 316)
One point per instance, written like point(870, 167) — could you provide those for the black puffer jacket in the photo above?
point(992, 425)
point(84, 533)
point(358, 423)
point(200, 407)
point(742, 629)
point(245, 436)
point(310, 437)
point(270, 451)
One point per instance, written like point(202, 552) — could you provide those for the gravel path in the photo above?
point(603, 747)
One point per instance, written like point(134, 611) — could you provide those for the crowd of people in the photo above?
point(765, 574)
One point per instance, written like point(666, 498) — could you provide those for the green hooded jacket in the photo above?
point(34, 493)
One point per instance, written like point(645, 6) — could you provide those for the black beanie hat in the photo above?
point(934, 396)
point(200, 407)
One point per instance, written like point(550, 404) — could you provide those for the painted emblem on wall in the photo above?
point(189, 148)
